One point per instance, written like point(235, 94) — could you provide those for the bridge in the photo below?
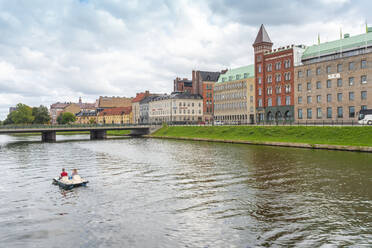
point(48, 132)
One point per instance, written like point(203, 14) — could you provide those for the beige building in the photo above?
point(86, 117)
point(334, 81)
point(234, 96)
point(122, 115)
point(176, 108)
point(113, 102)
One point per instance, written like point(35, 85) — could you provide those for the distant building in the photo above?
point(57, 108)
point(120, 115)
point(234, 96)
point(333, 82)
point(136, 105)
point(144, 109)
point(105, 102)
point(274, 72)
point(182, 85)
point(202, 83)
point(176, 108)
point(86, 117)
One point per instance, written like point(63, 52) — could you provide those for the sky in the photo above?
point(60, 50)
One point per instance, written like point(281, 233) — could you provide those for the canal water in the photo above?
point(167, 193)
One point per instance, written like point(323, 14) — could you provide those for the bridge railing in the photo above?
point(45, 126)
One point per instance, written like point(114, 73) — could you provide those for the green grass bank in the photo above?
point(309, 135)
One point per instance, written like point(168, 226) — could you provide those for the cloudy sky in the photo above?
point(58, 50)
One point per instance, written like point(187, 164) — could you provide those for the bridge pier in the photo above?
point(139, 132)
point(97, 134)
point(48, 136)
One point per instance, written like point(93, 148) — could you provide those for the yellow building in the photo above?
point(121, 115)
point(86, 117)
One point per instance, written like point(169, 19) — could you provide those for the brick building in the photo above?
point(333, 82)
point(203, 83)
point(274, 78)
point(182, 85)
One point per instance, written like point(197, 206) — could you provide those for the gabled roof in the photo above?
point(239, 73)
point(140, 96)
point(262, 36)
point(336, 46)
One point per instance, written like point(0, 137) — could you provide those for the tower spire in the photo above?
point(262, 36)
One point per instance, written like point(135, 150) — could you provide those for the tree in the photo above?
point(41, 115)
point(66, 118)
point(22, 115)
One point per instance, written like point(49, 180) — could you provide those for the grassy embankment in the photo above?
point(345, 136)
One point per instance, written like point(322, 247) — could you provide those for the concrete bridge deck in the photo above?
point(48, 132)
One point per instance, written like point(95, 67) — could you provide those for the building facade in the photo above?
point(234, 96)
point(136, 105)
point(86, 117)
point(334, 81)
point(144, 109)
point(274, 80)
point(176, 108)
point(182, 85)
point(121, 115)
point(202, 83)
point(105, 102)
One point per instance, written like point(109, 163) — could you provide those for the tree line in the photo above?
point(24, 114)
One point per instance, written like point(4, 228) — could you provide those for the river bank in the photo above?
point(332, 138)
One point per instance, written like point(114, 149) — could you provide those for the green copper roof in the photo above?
point(338, 45)
point(237, 74)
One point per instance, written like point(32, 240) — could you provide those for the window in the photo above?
point(329, 98)
point(299, 87)
point(259, 102)
point(287, 76)
point(318, 71)
point(278, 89)
point(328, 69)
point(309, 113)
point(251, 87)
point(339, 82)
point(299, 100)
point(287, 100)
point(259, 91)
point(269, 79)
point(351, 96)
point(351, 112)
point(364, 107)
point(339, 112)
point(278, 77)
point(288, 88)
point(329, 112)
point(245, 75)
point(278, 65)
point(287, 63)
point(308, 72)
point(299, 74)
point(339, 97)
point(259, 68)
point(278, 101)
point(230, 78)
point(351, 65)
point(299, 114)
point(363, 95)
point(339, 68)
point(269, 90)
point(318, 113)
point(318, 85)
point(309, 86)
point(363, 79)
point(259, 80)
point(251, 99)
point(309, 100)
point(318, 98)
point(238, 77)
point(363, 64)
point(329, 84)
point(269, 67)
point(351, 81)
point(269, 102)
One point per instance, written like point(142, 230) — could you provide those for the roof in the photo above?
point(87, 113)
point(237, 74)
point(335, 46)
point(262, 36)
point(116, 111)
point(178, 95)
point(148, 99)
point(87, 105)
point(140, 96)
point(60, 105)
point(209, 76)
point(114, 102)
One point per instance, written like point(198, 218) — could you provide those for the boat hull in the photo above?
point(63, 185)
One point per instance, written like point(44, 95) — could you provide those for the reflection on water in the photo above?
point(161, 193)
